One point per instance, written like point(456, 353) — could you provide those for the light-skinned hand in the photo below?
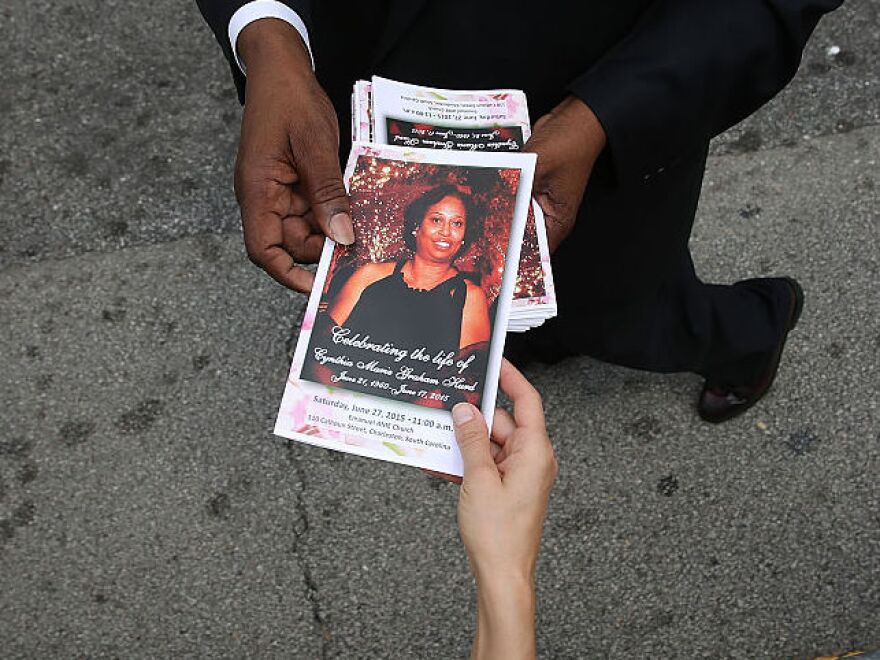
point(501, 509)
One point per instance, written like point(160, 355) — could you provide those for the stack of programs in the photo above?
point(411, 318)
point(490, 121)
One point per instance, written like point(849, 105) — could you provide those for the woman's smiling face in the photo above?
point(441, 234)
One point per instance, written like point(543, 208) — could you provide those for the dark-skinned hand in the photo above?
point(567, 140)
point(287, 175)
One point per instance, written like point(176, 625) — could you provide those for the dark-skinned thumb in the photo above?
point(329, 201)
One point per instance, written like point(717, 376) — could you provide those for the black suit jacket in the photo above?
point(662, 76)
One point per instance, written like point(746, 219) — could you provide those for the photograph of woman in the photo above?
point(422, 299)
point(420, 281)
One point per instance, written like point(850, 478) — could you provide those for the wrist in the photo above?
point(275, 44)
point(496, 572)
point(505, 618)
point(501, 590)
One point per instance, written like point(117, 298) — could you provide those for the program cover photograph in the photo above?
point(411, 318)
point(467, 120)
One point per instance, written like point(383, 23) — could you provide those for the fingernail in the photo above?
point(341, 230)
point(462, 413)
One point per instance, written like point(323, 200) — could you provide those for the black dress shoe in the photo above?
point(718, 402)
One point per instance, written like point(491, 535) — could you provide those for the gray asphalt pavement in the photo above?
point(147, 511)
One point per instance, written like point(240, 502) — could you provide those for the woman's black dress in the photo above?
point(390, 312)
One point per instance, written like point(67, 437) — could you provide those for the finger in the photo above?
point(311, 249)
point(322, 179)
point(501, 459)
point(557, 228)
point(495, 449)
point(473, 440)
point(264, 241)
point(300, 240)
point(310, 218)
point(283, 269)
point(264, 202)
point(540, 143)
point(502, 426)
point(510, 448)
point(547, 186)
point(541, 123)
point(297, 205)
point(533, 144)
point(528, 409)
point(534, 466)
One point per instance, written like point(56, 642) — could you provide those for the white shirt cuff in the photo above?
point(257, 9)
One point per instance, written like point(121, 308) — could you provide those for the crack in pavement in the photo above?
point(301, 529)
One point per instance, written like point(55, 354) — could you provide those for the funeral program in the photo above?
point(411, 318)
point(497, 120)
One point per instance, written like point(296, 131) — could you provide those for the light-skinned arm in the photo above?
point(502, 505)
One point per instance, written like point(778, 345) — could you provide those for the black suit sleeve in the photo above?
point(691, 69)
point(218, 13)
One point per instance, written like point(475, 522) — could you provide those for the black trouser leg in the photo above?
point(629, 295)
point(723, 332)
